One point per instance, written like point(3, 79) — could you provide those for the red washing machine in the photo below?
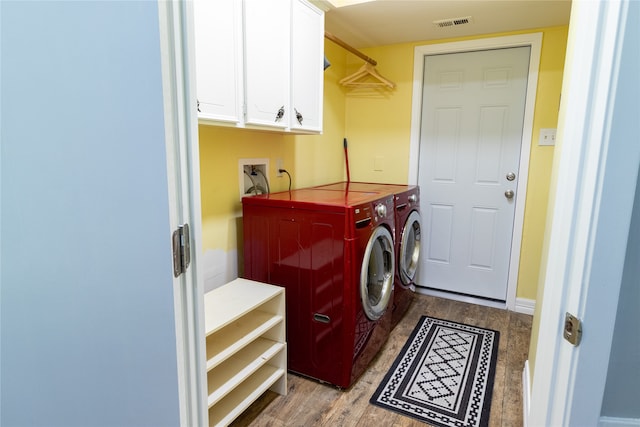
point(407, 237)
point(333, 252)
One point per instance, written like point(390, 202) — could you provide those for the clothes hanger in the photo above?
point(367, 71)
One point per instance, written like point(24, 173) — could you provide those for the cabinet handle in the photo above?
point(198, 106)
point(280, 114)
point(299, 116)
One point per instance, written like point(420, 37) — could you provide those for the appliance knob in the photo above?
point(381, 210)
point(413, 198)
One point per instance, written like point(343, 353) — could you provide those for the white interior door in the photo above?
point(596, 174)
point(89, 309)
point(471, 135)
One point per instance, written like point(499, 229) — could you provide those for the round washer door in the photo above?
point(410, 248)
point(376, 275)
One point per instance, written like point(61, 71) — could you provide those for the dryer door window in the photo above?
point(410, 248)
point(376, 276)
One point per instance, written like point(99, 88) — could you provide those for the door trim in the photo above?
point(595, 172)
point(534, 40)
point(183, 185)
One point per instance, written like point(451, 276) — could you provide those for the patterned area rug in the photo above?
point(443, 375)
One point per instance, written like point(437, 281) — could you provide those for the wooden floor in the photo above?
point(309, 403)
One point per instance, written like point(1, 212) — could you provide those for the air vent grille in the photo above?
point(452, 22)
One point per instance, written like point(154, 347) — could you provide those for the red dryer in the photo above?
point(333, 252)
point(408, 242)
point(407, 237)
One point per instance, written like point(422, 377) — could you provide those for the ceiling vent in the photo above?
point(452, 22)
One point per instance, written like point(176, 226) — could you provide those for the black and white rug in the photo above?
point(443, 375)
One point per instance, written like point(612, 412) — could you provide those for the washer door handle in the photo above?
point(322, 318)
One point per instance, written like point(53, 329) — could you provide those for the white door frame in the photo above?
point(596, 169)
point(534, 40)
point(181, 140)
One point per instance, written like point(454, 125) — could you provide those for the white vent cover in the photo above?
point(452, 22)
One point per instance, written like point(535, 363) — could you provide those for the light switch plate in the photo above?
point(378, 164)
point(547, 137)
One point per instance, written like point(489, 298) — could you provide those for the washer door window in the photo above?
point(410, 248)
point(376, 276)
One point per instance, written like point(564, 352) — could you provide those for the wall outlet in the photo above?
point(547, 137)
point(279, 165)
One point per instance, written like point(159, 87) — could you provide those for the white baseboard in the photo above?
point(525, 306)
point(619, 422)
point(526, 393)
point(461, 298)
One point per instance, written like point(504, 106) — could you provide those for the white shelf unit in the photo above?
point(246, 348)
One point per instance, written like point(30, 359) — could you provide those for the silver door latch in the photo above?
point(572, 329)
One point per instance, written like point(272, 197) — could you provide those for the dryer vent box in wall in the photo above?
point(253, 176)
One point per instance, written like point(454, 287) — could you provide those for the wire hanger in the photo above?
point(367, 75)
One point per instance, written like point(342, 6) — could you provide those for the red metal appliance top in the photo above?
point(318, 199)
point(366, 186)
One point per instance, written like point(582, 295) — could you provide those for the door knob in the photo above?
point(509, 194)
point(511, 176)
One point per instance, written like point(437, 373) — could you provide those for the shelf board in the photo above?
point(233, 338)
point(228, 375)
point(234, 403)
point(233, 300)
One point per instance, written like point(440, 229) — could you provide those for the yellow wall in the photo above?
point(220, 150)
point(378, 125)
point(319, 159)
point(554, 45)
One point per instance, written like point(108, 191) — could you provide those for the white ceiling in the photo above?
point(385, 22)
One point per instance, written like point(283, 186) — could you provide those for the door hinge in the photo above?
point(572, 329)
point(181, 250)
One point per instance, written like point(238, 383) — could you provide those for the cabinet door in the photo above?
point(218, 40)
point(267, 49)
point(307, 78)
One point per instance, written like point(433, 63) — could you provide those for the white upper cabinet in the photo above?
point(218, 43)
point(259, 64)
point(307, 66)
point(267, 37)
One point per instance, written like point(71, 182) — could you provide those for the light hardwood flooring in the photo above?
point(310, 403)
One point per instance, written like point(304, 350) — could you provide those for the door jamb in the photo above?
point(534, 40)
point(183, 172)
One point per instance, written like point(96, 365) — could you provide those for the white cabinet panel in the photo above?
point(307, 66)
point(218, 42)
point(258, 62)
point(267, 53)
